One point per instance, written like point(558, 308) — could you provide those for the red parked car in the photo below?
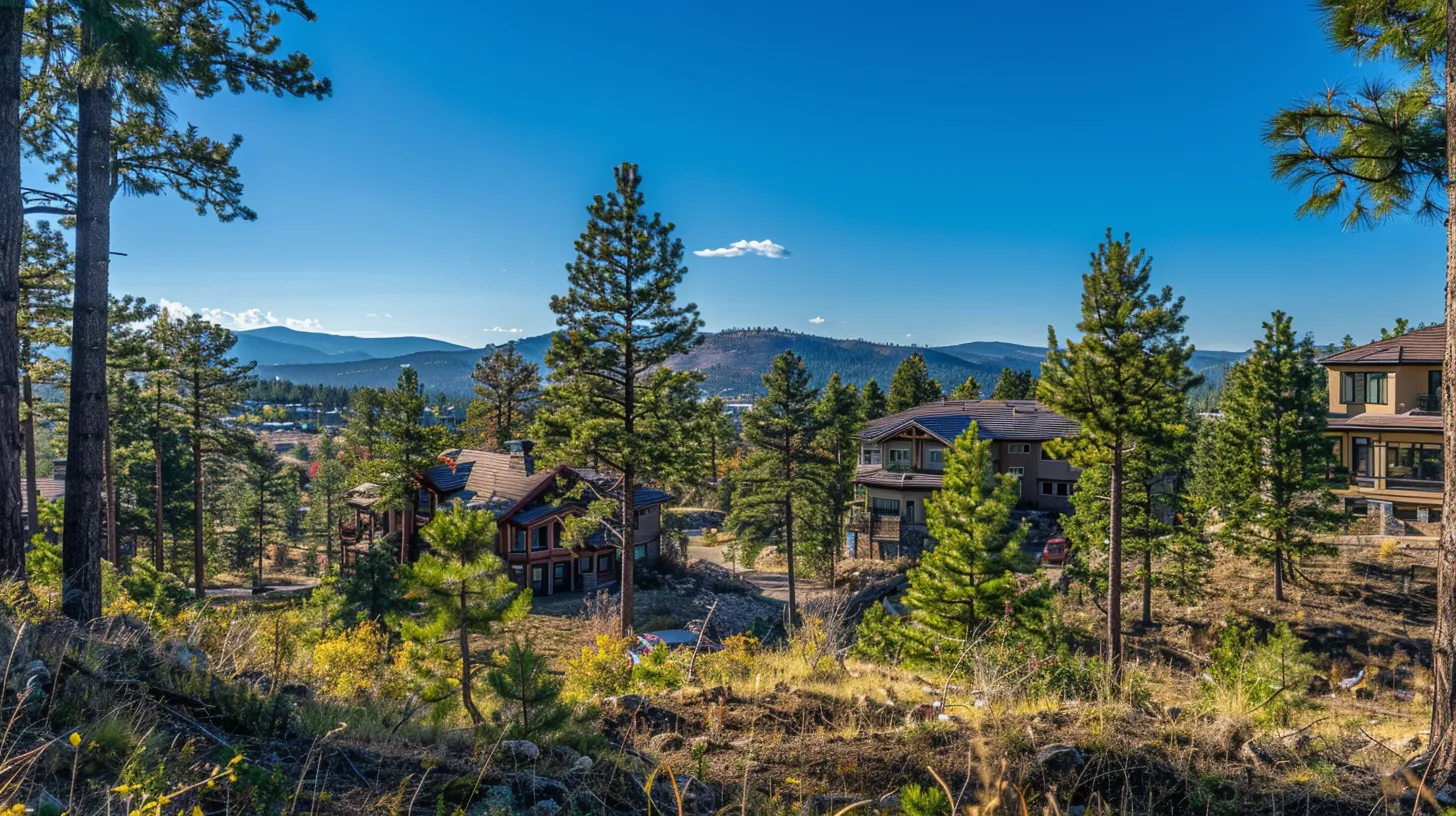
point(1055, 552)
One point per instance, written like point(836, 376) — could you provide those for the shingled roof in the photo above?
point(486, 479)
point(995, 419)
point(1420, 346)
point(49, 489)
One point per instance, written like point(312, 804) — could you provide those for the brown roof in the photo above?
point(995, 419)
point(1420, 346)
point(1409, 421)
point(49, 489)
point(878, 476)
point(490, 479)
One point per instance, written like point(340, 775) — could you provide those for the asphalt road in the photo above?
point(775, 585)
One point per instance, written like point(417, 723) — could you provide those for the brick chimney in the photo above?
point(58, 469)
point(521, 459)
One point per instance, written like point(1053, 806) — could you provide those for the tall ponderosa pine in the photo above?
point(326, 494)
point(407, 449)
point(507, 386)
point(620, 323)
point(1014, 385)
point(968, 390)
point(1267, 472)
point(464, 590)
point(840, 419)
point(1380, 151)
point(46, 281)
point(912, 385)
point(968, 579)
point(13, 536)
point(98, 117)
point(1118, 380)
point(210, 381)
point(786, 471)
point(873, 403)
point(266, 500)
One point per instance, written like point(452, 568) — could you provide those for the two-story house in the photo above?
point(530, 506)
point(902, 459)
point(1385, 417)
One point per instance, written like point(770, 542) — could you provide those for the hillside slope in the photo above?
point(339, 347)
point(732, 362)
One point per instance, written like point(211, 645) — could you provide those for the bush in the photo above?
point(734, 662)
point(1266, 680)
point(349, 665)
point(599, 672)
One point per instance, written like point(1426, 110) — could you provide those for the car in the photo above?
point(668, 639)
point(1055, 552)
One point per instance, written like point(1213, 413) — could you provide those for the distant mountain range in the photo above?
point(731, 361)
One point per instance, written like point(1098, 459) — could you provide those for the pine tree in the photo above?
point(209, 383)
point(374, 586)
point(362, 433)
point(912, 385)
point(872, 401)
point(1118, 381)
point(840, 418)
point(267, 498)
point(1014, 385)
point(1381, 151)
point(621, 323)
point(785, 476)
point(326, 493)
point(532, 697)
point(13, 536)
point(46, 280)
point(968, 579)
point(968, 390)
point(464, 590)
point(406, 449)
point(1267, 471)
point(506, 388)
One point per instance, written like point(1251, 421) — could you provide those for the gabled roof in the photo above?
point(485, 479)
point(995, 419)
point(1426, 345)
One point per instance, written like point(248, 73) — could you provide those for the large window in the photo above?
point(518, 543)
point(900, 456)
point(538, 538)
point(1409, 461)
point(935, 459)
point(884, 507)
point(870, 455)
point(1361, 388)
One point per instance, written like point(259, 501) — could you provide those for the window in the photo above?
point(1047, 488)
point(884, 507)
point(1362, 388)
point(1360, 456)
point(869, 456)
point(899, 456)
point(519, 544)
point(604, 562)
point(639, 552)
point(1413, 461)
point(558, 574)
point(1018, 472)
point(584, 565)
point(558, 535)
point(935, 459)
point(518, 574)
point(1056, 488)
point(1019, 448)
point(538, 538)
point(1064, 488)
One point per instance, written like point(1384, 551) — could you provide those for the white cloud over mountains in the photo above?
point(816, 320)
point(499, 330)
point(243, 320)
point(766, 248)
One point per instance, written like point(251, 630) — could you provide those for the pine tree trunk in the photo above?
point(466, 697)
point(1148, 587)
point(199, 558)
point(629, 543)
point(32, 489)
point(793, 610)
point(12, 218)
point(111, 501)
point(1279, 574)
point(1114, 567)
point(1443, 644)
point(157, 487)
point(85, 511)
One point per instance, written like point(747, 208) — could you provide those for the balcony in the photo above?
point(1428, 404)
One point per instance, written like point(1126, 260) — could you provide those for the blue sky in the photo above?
point(937, 174)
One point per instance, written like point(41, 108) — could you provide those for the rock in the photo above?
point(186, 656)
point(1446, 796)
point(546, 807)
point(582, 764)
point(629, 703)
point(496, 799)
point(530, 789)
point(1059, 758)
point(564, 754)
point(520, 750)
point(661, 743)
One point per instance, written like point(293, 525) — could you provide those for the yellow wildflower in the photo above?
point(75, 739)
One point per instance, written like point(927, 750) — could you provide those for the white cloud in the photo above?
point(816, 320)
point(499, 330)
point(245, 319)
point(766, 248)
point(908, 335)
point(370, 314)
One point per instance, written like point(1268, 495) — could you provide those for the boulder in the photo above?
point(1059, 758)
point(520, 750)
point(530, 789)
point(564, 754)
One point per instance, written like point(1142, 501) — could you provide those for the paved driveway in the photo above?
point(775, 585)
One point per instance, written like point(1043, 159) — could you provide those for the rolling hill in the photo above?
point(731, 361)
point(280, 345)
